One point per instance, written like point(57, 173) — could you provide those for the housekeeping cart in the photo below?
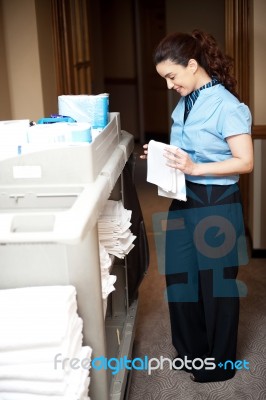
point(50, 201)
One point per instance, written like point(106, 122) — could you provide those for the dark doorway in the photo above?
point(130, 31)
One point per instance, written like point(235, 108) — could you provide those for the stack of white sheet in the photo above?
point(40, 330)
point(115, 238)
point(170, 181)
point(113, 228)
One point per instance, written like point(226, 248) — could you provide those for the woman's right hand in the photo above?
point(145, 151)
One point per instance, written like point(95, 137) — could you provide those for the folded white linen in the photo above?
point(74, 386)
point(115, 211)
point(69, 345)
point(108, 285)
point(28, 396)
point(120, 247)
point(35, 387)
point(170, 181)
point(79, 380)
point(180, 194)
point(32, 372)
point(105, 259)
point(36, 316)
point(113, 228)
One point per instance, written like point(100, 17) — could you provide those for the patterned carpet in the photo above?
point(153, 329)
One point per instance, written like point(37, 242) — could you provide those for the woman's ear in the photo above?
point(192, 65)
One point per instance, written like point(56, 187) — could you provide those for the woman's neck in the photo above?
point(202, 77)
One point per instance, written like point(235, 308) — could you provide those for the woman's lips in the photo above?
point(178, 88)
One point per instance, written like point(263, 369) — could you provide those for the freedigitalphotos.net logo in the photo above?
point(145, 364)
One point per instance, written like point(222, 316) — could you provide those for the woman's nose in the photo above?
point(170, 84)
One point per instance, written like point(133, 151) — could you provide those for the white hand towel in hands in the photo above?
point(170, 181)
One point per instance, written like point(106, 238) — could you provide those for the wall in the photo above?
point(259, 59)
point(258, 90)
point(5, 106)
point(46, 57)
point(30, 84)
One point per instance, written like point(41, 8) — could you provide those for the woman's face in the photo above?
point(182, 79)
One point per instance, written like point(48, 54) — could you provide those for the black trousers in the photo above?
point(203, 240)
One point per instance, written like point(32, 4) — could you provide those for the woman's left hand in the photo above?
point(179, 159)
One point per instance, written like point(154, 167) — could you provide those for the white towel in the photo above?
point(113, 228)
point(34, 372)
point(39, 367)
point(75, 383)
point(70, 344)
point(105, 259)
point(47, 388)
point(108, 285)
point(170, 181)
point(27, 396)
point(36, 316)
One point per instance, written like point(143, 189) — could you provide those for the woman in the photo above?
point(211, 134)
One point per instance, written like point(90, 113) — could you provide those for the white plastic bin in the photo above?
point(62, 163)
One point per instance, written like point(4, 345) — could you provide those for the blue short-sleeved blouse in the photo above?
point(216, 115)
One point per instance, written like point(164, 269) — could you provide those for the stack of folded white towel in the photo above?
point(41, 352)
point(113, 228)
point(115, 238)
point(170, 181)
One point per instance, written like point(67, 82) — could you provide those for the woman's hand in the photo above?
point(145, 151)
point(241, 161)
point(179, 159)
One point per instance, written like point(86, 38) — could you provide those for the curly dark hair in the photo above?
point(202, 47)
